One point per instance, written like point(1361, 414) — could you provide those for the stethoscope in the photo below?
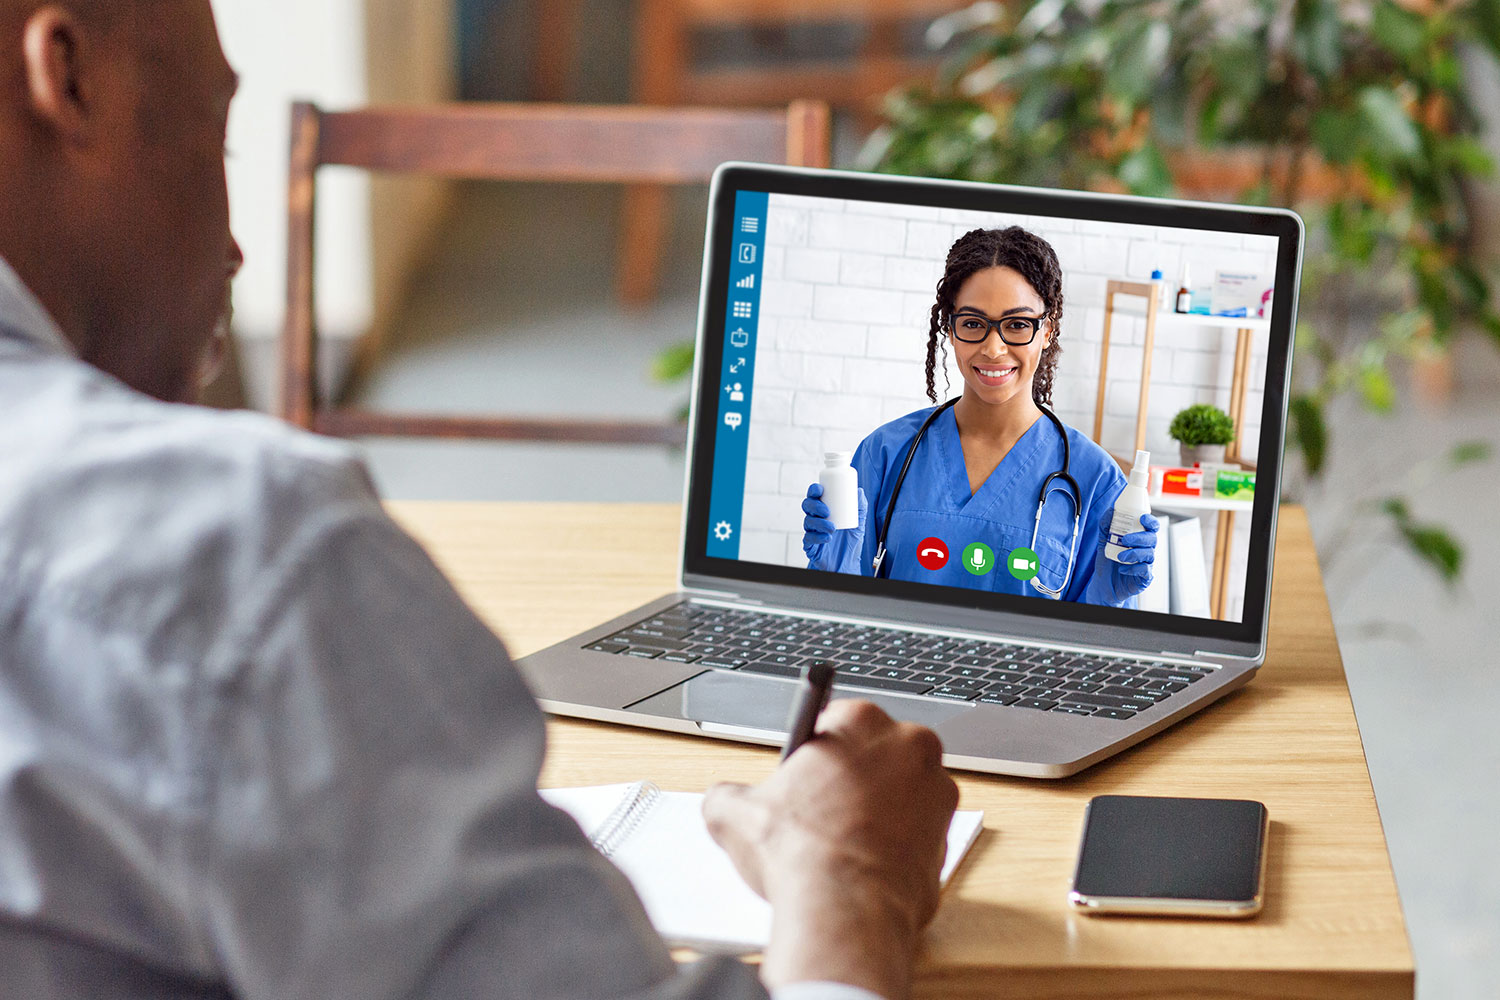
point(1047, 488)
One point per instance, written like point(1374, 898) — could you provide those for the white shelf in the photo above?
point(1181, 501)
point(1165, 318)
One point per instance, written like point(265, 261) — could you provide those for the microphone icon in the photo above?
point(977, 558)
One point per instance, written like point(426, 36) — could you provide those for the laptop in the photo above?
point(815, 316)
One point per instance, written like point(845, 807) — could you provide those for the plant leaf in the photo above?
point(1429, 542)
point(1466, 452)
point(1317, 36)
point(1138, 57)
point(1310, 432)
point(674, 363)
point(1399, 30)
point(1145, 171)
point(1436, 546)
point(1337, 134)
point(1392, 128)
point(1377, 389)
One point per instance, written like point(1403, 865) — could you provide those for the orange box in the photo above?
point(1187, 482)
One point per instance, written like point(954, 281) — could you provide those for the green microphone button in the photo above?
point(979, 558)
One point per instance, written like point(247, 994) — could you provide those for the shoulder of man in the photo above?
point(109, 487)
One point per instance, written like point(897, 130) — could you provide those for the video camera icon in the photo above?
point(1023, 564)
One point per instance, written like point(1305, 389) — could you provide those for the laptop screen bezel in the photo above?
point(1013, 614)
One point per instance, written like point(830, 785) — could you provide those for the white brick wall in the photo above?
point(847, 292)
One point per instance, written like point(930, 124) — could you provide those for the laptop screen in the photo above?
point(974, 395)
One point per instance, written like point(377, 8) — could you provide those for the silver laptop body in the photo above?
point(669, 689)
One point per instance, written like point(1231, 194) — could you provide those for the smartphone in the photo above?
point(1172, 857)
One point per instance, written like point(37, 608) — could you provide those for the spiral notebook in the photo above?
point(690, 888)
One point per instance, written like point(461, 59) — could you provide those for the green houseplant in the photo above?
point(1355, 112)
point(1203, 430)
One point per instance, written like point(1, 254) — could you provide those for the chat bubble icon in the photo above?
point(733, 420)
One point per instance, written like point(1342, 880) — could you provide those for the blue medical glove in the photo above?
point(1114, 583)
point(818, 534)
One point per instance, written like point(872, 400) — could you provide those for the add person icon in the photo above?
point(1022, 563)
point(979, 558)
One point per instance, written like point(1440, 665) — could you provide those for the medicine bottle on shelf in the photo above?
point(1185, 291)
point(840, 489)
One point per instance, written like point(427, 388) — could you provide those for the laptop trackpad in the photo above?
point(755, 701)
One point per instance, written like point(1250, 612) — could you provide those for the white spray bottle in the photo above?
point(1133, 502)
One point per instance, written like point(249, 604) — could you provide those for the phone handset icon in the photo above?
point(932, 553)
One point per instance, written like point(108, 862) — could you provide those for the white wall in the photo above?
point(339, 54)
point(286, 50)
point(847, 292)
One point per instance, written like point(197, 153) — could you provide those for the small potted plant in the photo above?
point(1202, 430)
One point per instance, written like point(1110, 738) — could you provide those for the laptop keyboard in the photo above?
point(889, 659)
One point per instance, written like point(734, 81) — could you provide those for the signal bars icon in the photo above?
point(746, 282)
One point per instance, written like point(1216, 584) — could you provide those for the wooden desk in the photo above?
point(1332, 925)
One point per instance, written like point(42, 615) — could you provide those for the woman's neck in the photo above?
point(996, 422)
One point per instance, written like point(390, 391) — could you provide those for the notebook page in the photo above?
point(592, 805)
point(690, 888)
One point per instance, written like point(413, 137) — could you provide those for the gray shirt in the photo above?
point(252, 744)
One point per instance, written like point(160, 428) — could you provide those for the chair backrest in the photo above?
point(517, 142)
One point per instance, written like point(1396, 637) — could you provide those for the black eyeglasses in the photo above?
point(974, 328)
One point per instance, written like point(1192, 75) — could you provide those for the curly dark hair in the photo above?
point(1022, 251)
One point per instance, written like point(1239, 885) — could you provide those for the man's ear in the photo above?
point(53, 48)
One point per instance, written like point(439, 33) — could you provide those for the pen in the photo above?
point(809, 705)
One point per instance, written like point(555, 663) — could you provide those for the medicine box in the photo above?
point(1185, 482)
point(1235, 485)
point(1237, 293)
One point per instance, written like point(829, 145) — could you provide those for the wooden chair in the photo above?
point(519, 142)
point(665, 74)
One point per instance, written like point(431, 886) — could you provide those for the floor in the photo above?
point(530, 324)
point(569, 349)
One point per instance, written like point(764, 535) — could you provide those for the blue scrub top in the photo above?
point(936, 502)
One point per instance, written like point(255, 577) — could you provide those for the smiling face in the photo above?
point(994, 372)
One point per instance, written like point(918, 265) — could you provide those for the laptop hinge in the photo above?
point(722, 595)
point(1209, 654)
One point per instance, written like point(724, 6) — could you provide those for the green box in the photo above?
point(1233, 484)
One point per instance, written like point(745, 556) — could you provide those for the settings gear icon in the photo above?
point(722, 531)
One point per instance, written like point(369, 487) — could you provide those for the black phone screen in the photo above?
point(1170, 848)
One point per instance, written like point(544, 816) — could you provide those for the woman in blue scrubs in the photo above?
point(977, 475)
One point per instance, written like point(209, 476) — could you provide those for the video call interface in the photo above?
point(824, 387)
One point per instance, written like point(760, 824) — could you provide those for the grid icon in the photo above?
point(749, 224)
point(746, 282)
point(742, 310)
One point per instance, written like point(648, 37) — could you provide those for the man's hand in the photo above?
point(846, 839)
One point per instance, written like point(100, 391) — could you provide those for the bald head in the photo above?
point(113, 204)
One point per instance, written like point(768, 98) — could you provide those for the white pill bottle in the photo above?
point(1133, 502)
point(840, 489)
